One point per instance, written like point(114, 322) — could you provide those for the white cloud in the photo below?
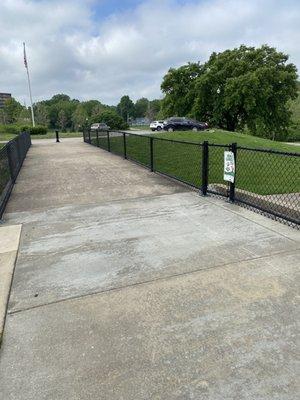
point(71, 50)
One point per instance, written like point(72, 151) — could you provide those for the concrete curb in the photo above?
point(9, 244)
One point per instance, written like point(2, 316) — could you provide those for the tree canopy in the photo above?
point(246, 87)
point(179, 88)
point(126, 108)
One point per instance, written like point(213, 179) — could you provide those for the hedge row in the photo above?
point(16, 129)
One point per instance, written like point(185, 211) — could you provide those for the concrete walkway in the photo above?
point(129, 286)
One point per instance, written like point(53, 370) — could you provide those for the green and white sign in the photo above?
point(229, 166)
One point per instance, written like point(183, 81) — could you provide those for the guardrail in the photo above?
point(12, 155)
point(266, 181)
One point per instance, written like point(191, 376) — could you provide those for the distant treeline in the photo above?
point(70, 114)
point(246, 89)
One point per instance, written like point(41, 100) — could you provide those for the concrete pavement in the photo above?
point(129, 286)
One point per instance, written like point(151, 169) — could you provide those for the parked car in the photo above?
point(101, 126)
point(183, 124)
point(157, 125)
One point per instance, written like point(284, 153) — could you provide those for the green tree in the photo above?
point(247, 87)
point(111, 118)
point(80, 117)
point(11, 111)
point(59, 97)
point(62, 120)
point(41, 114)
point(154, 109)
point(24, 117)
point(141, 107)
point(126, 108)
point(179, 88)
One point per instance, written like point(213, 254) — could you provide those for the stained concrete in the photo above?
point(147, 292)
point(72, 172)
point(78, 250)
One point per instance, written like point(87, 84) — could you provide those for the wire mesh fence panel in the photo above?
point(116, 140)
point(5, 176)
point(93, 136)
point(12, 156)
point(216, 183)
point(178, 160)
point(103, 140)
point(269, 181)
point(85, 136)
point(138, 149)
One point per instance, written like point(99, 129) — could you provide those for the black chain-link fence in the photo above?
point(12, 155)
point(265, 180)
point(179, 160)
point(270, 182)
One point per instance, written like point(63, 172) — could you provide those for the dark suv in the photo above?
point(184, 124)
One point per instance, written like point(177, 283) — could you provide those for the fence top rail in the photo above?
point(219, 145)
point(284, 153)
point(16, 138)
point(157, 138)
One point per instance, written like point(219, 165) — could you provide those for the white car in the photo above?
point(101, 126)
point(157, 125)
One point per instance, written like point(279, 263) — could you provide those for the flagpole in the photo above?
point(29, 85)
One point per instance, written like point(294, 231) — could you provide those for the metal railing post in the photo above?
point(108, 141)
point(124, 142)
point(97, 137)
point(151, 155)
point(205, 166)
point(233, 148)
point(90, 142)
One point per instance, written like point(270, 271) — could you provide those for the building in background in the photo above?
point(3, 97)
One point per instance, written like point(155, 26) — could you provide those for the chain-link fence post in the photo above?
point(108, 141)
point(124, 145)
point(151, 155)
point(205, 166)
point(233, 148)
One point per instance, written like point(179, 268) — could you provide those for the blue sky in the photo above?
point(103, 49)
point(105, 8)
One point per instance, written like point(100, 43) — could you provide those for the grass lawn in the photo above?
point(257, 172)
point(219, 136)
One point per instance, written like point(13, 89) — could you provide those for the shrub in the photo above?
point(112, 119)
point(294, 134)
point(10, 129)
point(37, 130)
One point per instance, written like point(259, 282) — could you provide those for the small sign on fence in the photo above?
point(229, 166)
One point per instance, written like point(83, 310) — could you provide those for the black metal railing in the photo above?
point(12, 155)
point(267, 181)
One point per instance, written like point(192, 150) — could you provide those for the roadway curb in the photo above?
point(9, 244)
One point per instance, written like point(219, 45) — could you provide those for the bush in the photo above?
point(294, 134)
point(10, 129)
point(37, 130)
point(112, 119)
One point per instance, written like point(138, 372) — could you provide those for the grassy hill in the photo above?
point(219, 136)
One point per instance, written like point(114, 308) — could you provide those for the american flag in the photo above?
point(25, 59)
